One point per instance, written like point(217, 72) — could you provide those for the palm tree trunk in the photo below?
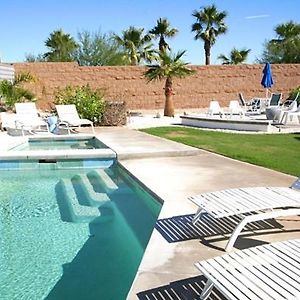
point(169, 105)
point(207, 52)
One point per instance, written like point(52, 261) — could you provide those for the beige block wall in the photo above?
point(219, 82)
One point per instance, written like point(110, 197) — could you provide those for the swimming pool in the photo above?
point(60, 144)
point(71, 230)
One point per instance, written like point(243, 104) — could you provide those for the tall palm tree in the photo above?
point(169, 66)
point(235, 57)
point(162, 31)
point(137, 45)
point(287, 31)
point(209, 25)
point(62, 47)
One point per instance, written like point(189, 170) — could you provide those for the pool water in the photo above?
point(60, 144)
point(76, 233)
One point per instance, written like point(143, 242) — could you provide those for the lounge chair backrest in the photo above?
point(275, 99)
point(26, 110)
point(214, 106)
point(242, 100)
point(67, 112)
point(293, 106)
point(234, 105)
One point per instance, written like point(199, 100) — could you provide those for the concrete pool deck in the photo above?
point(174, 172)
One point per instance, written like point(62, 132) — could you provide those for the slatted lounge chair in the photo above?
point(27, 117)
point(264, 272)
point(252, 204)
point(214, 108)
point(290, 113)
point(235, 108)
point(275, 100)
point(252, 106)
point(68, 116)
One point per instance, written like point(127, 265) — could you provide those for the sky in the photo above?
point(25, 25)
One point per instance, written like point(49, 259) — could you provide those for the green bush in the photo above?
point(89, 103)
point(293, 94)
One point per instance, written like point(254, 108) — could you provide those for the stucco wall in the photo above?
point(127, 83)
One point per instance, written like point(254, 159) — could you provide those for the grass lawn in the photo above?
point(279, 152)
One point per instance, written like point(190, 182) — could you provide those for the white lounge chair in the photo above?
point(292, 111)
point(27, 117)
point(214, 108)
point(68, 115)
point(252, 204)
point(235, 108)
point(264, 272)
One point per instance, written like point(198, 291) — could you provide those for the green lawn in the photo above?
point(279, 152)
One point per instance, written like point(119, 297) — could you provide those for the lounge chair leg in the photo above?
point(197, 216)
point(258, 217)
point(93, 130)
point(207, 290)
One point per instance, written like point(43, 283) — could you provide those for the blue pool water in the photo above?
point(70, 232)
point(60, 144)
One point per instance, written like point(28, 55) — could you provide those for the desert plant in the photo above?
point(136, 44)
point(162, 31)
point(208, 26)
point(235, 57)
point(89, 103)
point(169, 67)
point(12, 92)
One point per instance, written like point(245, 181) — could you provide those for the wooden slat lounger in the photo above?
point(264, 272)
point(265, 202)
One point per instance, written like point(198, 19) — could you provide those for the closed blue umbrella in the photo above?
point(267, 80)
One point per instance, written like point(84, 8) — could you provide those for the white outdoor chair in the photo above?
point(214, 108)
point(252, 204)
point(292, 111)
point(259, 273)
point(27, 118)
point(68, 116)
point(235, 108)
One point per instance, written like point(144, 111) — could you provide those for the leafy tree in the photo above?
point(138, 47)
point(162, 30)
point(168, 67)
point(61, 45)
point(235, 57)
point(97, 49)
point(210, 23)
point(13, 92)
point(285, 48)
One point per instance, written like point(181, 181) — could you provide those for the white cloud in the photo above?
point(257, 17)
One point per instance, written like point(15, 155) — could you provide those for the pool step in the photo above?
point(80, 213)
point(105, 181)
point(93, 198)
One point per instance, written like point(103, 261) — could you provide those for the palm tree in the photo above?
point(287, 32)
point(12, 91)
point(169, 66)
point(62, 47)
point(209, 25)
point(162, 31)
point(137, 45)
point(236, 57)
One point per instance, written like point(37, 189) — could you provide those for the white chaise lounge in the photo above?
point(252, 204)
point(68, 115)
point(265, 272)
point(27, 117)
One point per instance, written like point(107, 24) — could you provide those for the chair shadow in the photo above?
point(208, 229)
point(185, 289)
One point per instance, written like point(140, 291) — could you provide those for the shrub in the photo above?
point(293, 94)
point(89, 103)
